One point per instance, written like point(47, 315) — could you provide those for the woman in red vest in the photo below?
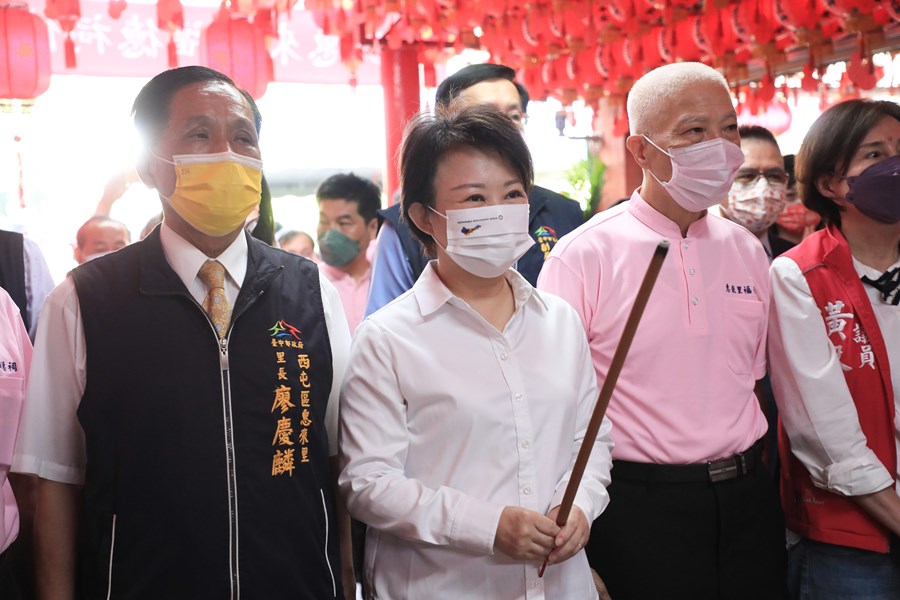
point(834, 354)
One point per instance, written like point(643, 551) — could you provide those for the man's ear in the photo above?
point(419, 215)
point(637, 145)
point(143, 170)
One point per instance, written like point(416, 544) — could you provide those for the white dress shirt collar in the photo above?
point(431, 293)
point(186, 259)
point(864, 270)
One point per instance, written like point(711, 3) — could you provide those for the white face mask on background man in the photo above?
point(755, 205)
point(486, 241)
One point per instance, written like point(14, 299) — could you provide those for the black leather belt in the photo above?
point(722, 469)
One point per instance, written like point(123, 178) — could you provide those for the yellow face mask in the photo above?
point(214, 193)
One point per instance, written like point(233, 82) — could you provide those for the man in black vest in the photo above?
point(400, 258)
point(187, 386)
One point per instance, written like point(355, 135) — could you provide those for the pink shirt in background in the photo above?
point(15, 360)
point(685, 393)
point(353, 293)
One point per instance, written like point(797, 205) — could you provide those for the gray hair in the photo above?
point(657, 88)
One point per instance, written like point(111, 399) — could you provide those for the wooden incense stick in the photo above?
point(609, 384)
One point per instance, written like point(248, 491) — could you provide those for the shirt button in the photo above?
point(519, 397)
point(692, 270)
point(504, 356)
point(695, 300)
point(526, 490)
point(525, 444)
point(685, 245)
point(534, 584)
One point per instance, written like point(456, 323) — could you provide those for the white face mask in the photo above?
point(755, 206)
point(702, 173)
point(486, 241)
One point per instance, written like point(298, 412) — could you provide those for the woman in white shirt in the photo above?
point(834, 354)
point(467, 397)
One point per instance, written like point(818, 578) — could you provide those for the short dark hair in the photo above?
point(757, 132)
point(830, 144)
point(151, 106)
point(453, 86)
point(97, 220)
point(430, 137)
point(350, 187)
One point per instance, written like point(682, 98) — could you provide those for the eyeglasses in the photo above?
point(518, 117)
point(751, 176)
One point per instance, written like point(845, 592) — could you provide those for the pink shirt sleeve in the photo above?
point(558, 278)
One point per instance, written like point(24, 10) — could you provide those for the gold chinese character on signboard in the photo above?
point(303, 361)
point(282, 399)
point(304, 455)
point(283, 462)
point(304, 398)
point(279, 357)
point(304, 379)
point(282, 375)
point(304, 420)
point(283, 432)
point(304, 436)
point(274, 343)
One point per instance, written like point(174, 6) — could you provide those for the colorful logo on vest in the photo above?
point(282, 329)
point(546, 237)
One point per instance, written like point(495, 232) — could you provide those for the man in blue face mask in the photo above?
point(347, 223)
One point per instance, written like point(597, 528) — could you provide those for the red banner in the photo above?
point(133, 46)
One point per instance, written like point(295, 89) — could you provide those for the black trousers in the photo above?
point(15, 580)
point(698, 541)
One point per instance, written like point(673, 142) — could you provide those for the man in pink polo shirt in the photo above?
point(15, 360)
point(347, 224)
point(692, 514)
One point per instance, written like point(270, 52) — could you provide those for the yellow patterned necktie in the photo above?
point(212, 274)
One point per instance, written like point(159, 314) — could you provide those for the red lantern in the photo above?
point(67, 13)
point(235, 47)
point(169, 17)
point(685, 45)
point(24, 54)
point(777, 117)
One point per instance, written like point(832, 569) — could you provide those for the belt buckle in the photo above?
point(722, 469)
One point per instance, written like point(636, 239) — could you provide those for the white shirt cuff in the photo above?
point(475, 526)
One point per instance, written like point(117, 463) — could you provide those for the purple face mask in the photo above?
point(876, 191)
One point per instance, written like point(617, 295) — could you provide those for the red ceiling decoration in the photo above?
point(24, 54)
point(592, 48)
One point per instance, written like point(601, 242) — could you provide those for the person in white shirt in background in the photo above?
point(467, 398)
point(99, 236)
point(299, 243)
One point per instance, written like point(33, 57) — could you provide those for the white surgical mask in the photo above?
point(755, 206)
point(486, 241)
point(702, 173)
